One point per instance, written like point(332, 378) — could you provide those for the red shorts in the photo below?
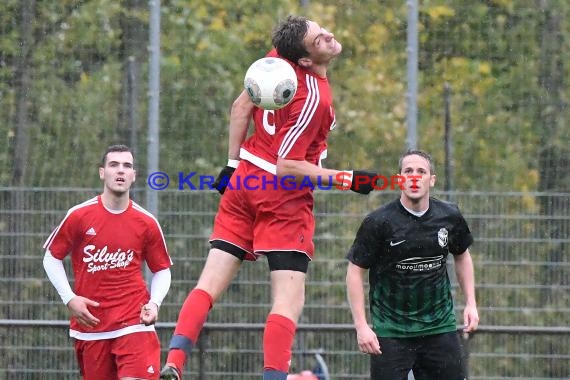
point(258, 215)
point(134, 355)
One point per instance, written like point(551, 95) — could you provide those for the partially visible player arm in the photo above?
point(56, 274)
point(77, 305)
point(240, 116)
point(301, 169)
point(159, 285)
point(367, 339)
point(466, 279)
point(357, 181)
point(305, 118)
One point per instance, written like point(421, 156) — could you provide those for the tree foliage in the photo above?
point(505, 62)
point(491, 53)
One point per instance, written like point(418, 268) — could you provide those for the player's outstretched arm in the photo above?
point(366, 337)
point(359, 181)
point(466, 278)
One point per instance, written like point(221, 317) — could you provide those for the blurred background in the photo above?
point(491, 107)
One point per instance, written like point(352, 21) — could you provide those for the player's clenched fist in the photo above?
point(223, 179)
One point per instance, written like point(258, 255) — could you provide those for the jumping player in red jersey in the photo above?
point(110, 237)
point(273, 221)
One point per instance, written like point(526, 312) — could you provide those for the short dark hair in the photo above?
point(114, 148)
point(417, 152)
point(288, 38)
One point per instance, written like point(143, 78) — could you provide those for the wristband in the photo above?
point(233, 163)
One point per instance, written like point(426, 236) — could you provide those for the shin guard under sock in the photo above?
point(191, 319)
point(277, 343)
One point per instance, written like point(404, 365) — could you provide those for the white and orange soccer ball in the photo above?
point(270, 83)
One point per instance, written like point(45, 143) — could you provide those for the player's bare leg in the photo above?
point(217, 274)
point(288, 296)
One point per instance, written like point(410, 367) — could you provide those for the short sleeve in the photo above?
point(156, 256)
point(367, 244)
point(60, 242)
point(460, 237)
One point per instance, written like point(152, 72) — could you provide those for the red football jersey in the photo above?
point(298, 131)
point(108, 251)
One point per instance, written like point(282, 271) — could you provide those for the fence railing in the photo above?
point(522, 271)
point(241, 344)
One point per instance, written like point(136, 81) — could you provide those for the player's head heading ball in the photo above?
point(288, 38)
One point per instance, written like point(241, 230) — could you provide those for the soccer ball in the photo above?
point(270, 83)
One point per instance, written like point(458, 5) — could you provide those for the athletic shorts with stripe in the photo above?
point(258, 215)
point(135, 355)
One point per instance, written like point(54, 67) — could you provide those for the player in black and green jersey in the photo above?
point(404, 245)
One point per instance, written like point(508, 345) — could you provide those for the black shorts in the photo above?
point(431, 357)
point(277, 260)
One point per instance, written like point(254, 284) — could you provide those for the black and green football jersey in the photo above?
point(410, 292)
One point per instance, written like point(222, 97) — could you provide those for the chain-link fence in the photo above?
point(74, 77)
point(521, 265)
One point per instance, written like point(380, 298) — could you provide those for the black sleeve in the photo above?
point(367, 244)
point(460, 238)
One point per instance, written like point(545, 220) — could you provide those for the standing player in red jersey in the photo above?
point(267, 218)
point(110, 237)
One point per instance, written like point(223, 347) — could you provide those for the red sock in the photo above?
point(191, 319)
point(176, 357)
point(277, 342)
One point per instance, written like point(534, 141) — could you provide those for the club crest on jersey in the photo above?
point(442, 237)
